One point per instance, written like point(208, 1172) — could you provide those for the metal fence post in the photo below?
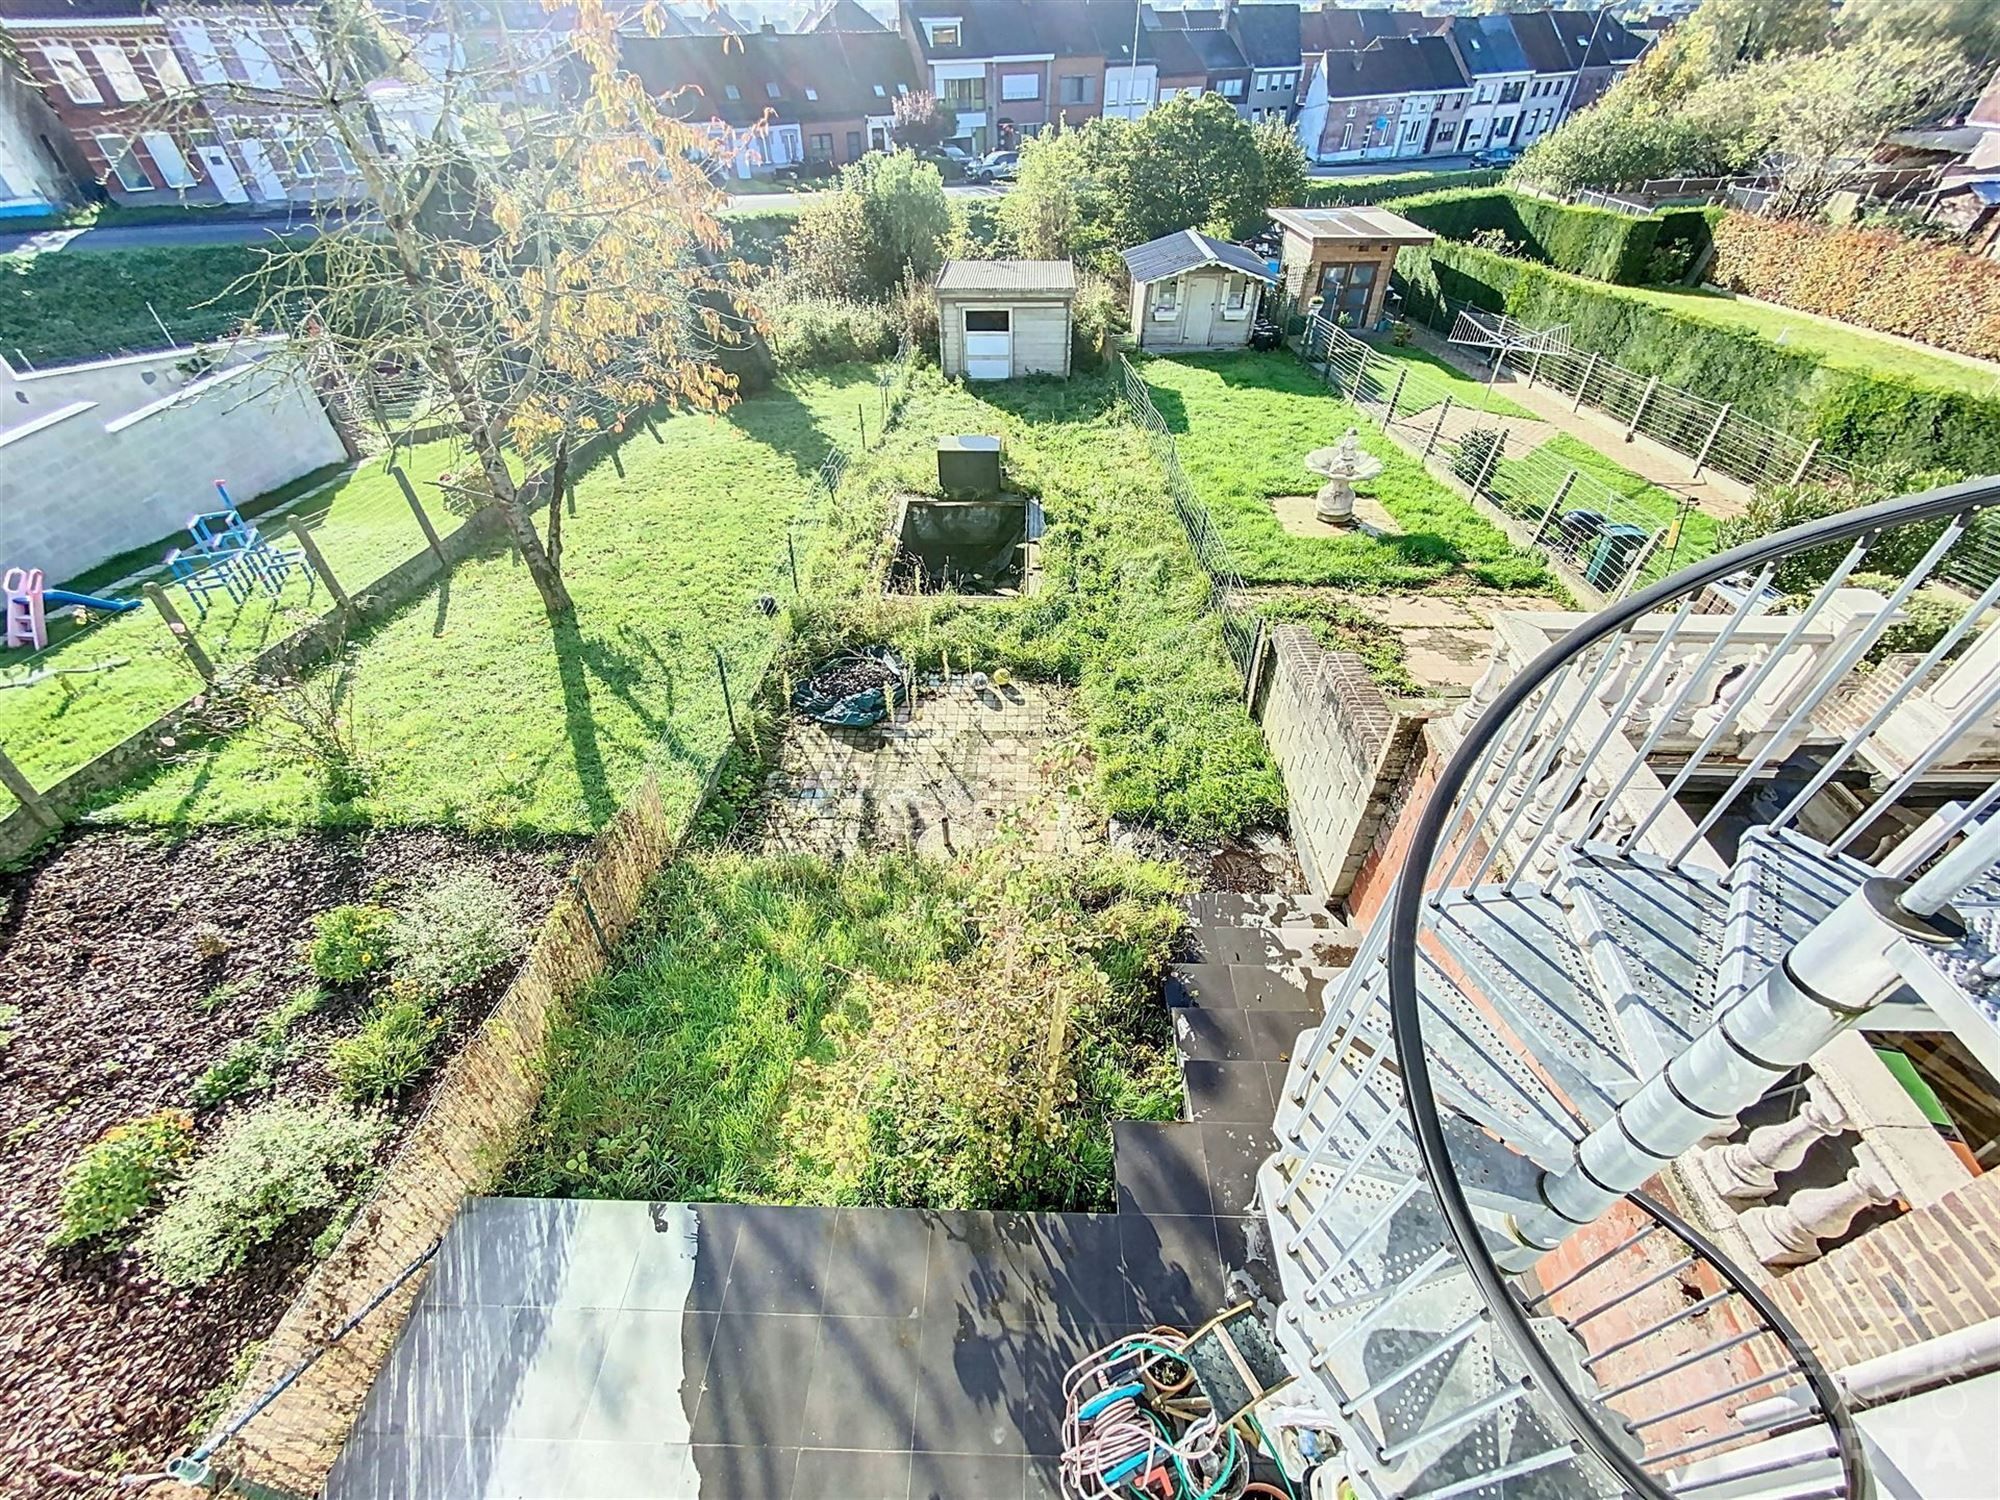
point(1639, 411)
point(1438, 426)
point(1584, 384)
point(1492, 461)
point(1562, 494)
point(1713, 433)
point(728, 703)
point(1396, 395)
point(1805, 461)
point(792, 553)
point(177, 627)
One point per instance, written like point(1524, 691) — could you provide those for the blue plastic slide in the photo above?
point(88, 601)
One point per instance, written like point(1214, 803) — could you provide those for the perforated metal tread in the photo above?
point(1653, 938)
point(1782, 885)
point(1517, 950)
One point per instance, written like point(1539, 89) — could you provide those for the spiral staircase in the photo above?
point(1569, 989)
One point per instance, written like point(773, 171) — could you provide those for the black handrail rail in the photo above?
point(1406, 911)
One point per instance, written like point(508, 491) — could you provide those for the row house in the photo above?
point(780, 99)
point(1405, 97)
point(39, 165)
point(1200, 54)
point(1010, 68)
point(209, 105)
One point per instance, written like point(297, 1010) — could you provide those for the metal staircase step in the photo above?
point(1517, 951)
point(1652, 936)
point(1782, 885)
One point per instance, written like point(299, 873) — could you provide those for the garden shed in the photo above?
point(1343, 256)
point(1002, 318)
point(1192, 292)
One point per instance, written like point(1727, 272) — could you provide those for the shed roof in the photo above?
point(1372, 224)
point(1171, 254)
point(1012, 278)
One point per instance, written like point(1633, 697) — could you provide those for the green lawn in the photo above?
point(1841, 345)
point(1529, 484)
point(51, 727)
point(1244, 424)
point(1428, 381)
point(470, 712)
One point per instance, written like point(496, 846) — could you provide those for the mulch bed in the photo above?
point(102, 1368)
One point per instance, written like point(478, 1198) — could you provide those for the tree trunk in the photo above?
point(558, 482)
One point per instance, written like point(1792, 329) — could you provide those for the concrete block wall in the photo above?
point(1341, 747)
point(99, 459)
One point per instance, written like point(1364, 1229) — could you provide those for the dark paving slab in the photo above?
point(1160, 1166)
point(1233, 1153)
point(1231, 1091)
point(1201, 985)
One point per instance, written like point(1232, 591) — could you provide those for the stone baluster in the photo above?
point(1710, 688)
point(1498, 669)
point(1789, 1234)
point(1542, 798)
point(1657, 691)
point(1725, 701)
point(1619, 678)
point(1747, 1171)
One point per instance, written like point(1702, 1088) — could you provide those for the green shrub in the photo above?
point(122, 1176)
point(1476, 456)
point(1099, 317)
point(245, 1068)
point(388, 1053)
point(267, 1169)
point(1929, 616)
point(812, 331)
point(1343, 192)
point(453, 931)
point(1593, 242)
point(350, 942)
point(1880, 419)
point(1893, 553)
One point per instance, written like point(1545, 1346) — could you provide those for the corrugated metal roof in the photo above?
point(1020, 277)
point(1351, 224)
point(1171, 254)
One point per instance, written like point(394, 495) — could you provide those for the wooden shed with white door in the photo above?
point(1193, 292)
point(1002, 318)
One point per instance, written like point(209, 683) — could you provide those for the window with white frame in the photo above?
point(902, 88)
point(72, 75)
point(772, 91)
point(341, 154)
point(122, 157)
point(1076, 88)
point(1020, 85)
point(942, 33)
point(167, 69)
point(1167, 298)
point(298, 152)
point(166, 154)
point(1289, 81)
point(201, 49)
point(258, 68)
point(307, 45)
point(812, 93)
point(117, 65)
point(1230, 88)
point(1236, 296)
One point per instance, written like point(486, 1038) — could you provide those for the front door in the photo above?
point(222, 172)
point(989, 344)
point(1201, 309)
point(270, 186)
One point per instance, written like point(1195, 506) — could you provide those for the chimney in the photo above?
point(769, 28)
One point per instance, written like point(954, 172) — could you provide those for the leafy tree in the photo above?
point(1970, 27)
point(1064, 204)
point(922, 121)
point(1729, 33)
point(885, 219)
point(542, 258)
point(1193, 162)
point(1286, 169)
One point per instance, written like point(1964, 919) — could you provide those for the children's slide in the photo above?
point(88, 601)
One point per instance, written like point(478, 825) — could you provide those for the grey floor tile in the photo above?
point(1228, 1091)
point(514, 1469)
point(759, 1373)
point(684, 1263)
point(1234, 1153)
point(839, 1474)
point(1160, 1167)
point(539, 1252)
point(987, 1390)
point(540, 1390)
point(780, 1260)
point(630, 1471)
point(966, 1476)
point(374, 1464)
point(878, 1263)
point(1274, 1033)
point(1234, 945)
point(1044, 1478)
point(1247, 1264)
point(1263, 988)
point(1173, 1268)
point(1020, 1270)
point(1215, 1033)
point(650, 1378)
point(441, 1371)
point(864, 1384)
point(1200, 985)
point(744, 1473)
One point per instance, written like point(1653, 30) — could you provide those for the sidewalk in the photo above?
point(1715, 494)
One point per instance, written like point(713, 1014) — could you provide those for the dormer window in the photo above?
point(943, 32)
point(902, 88)
point(730, 90)
point(880, 92)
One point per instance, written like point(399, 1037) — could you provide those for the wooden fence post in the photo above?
point(25, 793)
point(417, 509)
point(177, 627)
point(319, 563)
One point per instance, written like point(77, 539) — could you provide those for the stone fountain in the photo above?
point(1344, 464)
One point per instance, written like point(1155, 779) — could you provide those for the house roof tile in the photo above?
point(843, 68)
point(1410, 65)
point(1487, 44)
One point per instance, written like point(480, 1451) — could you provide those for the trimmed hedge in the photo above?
point(1884, 420)
point(84, 304)
point(1921, 289)
point(1593, 242)
point(1348, 192)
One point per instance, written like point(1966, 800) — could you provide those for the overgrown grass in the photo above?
point(471, 711)
point(730, 1056)
point(83, 304)
point(1244, 424)
point(52, 726)
point(1432, 379)
point(1122, 611)
point(1695, 537)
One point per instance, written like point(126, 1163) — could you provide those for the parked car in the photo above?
point(812, 169)
point(953, 164)
point(1496, 156)
point(995, 166)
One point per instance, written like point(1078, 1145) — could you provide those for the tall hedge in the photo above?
point(1866, 419)
point(1593, 242)
point(1346, 192)
point(83, 304)
point(1922, 289)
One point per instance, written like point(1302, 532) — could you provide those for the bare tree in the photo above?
point(536, 249)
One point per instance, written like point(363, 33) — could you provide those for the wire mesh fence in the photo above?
point(1242, 625)
point(1609, 538)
